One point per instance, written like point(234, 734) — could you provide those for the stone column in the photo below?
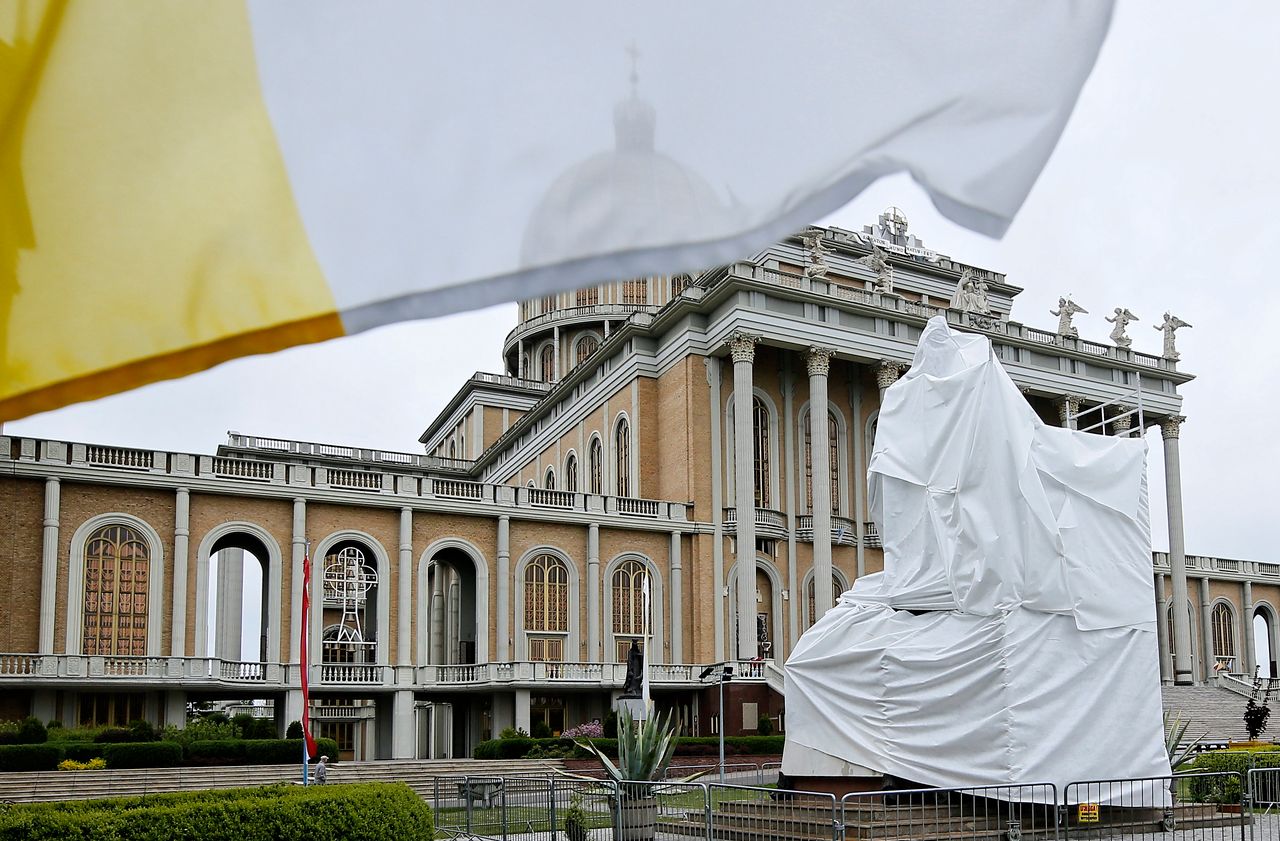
point(522, 704)
point(404, 726)
point(520, 358)
point(887, 374)
point(555, 343)
point(436, 642)
point(593, 593)
point(743, 349)
point(1206, 629)
point(49, 563)
point(404, 601)
point(1169, 428)
point(230, 604)
point(1068, 408)
point(818, 363)
point(677, 601)
point(181, 559)
point(1162, 631)
point(502, 623)
point(295, 597)
point(1246, 615)
point(1120, 426)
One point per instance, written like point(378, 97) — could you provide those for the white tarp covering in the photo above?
point(1011, 637)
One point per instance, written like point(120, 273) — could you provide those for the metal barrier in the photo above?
point(1203, 807)
point(528, 807)
point(1008, 813)
point(1264, 803)
point(753, 813)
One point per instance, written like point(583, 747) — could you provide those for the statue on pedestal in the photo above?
point(971, 295)
point(1170, 326)
point(1066, 309)
point(633, 684)
point(816, 270)
point(879, 263)
point(1121, 321)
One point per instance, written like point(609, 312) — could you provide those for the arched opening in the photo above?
point(768, 609)
point(451, 608)
point(1263, 634)
point(622, 457)
point(547, 362)
point(239, 606)
point(838, 586)
point(1224, 638)
point(350, 614)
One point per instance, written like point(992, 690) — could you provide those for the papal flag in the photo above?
point(187, 181)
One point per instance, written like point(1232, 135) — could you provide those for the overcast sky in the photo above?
point(1160, 196)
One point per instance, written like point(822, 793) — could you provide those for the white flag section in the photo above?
point(186, 183)
point(448, 156)
point(1011, 637)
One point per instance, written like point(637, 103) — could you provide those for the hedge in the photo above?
point(82, 751)
point(254, 751)
point(520, 747)
point(375, 811)
point(29, 757)
point(142, 755)
point(1227, 789)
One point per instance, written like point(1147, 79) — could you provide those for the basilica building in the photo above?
point(677, 462)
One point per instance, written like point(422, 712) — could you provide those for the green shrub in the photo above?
point(254, 751)
point(764, 726)
point(540, 730)
point(1226, 787)
point(29, 757)
point(53, 724)
point(610, 725)
point(199, 730)
point(512, 733)
point(142, 755)
point(82, 735)
point(110, 735)
point(32, 732)
point(294, 730)
point(82, 751)
point(141, 730)
point(374, 811)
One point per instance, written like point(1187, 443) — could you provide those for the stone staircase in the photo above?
point(1217, 711)
point(420, 775)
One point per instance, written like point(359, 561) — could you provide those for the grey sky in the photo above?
point(1160, 196)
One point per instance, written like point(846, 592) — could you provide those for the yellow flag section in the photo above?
point(147, 226)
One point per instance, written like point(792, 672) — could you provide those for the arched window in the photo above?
point(760, 452)
point(596, 458)
point(622, 457)
point(811, 615)
point(571, 473)
point(833, 457)
point(547, 359)
point(350, 590)
point(453, 449)
point(548, 303)
point(117, 560)
point(635, 291)
point(628, 607)
point(546, 607)
point(1224, 635)
point(678, 284)
point(1173, 637)
point(587, 345)
point(587, 297)
point(550, 481)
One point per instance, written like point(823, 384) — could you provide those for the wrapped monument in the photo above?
point(1011, 637)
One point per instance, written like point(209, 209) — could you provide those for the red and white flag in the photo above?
point(311, 749)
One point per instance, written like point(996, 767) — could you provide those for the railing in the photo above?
point(120, 457)
point(457, 489)
point(544, 498)
point(595, 311)
point(350, 673)
point(870, 535)
point(638, 507)
point(19, 665)
point(242, 670)
point(359, 479)
point(767, 520)
point(243, 468)
point(842, 531)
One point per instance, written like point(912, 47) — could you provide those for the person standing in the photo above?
point(322, 771)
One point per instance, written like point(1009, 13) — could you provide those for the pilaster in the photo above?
point(295, 598)
point(742, 347)
point(49, 563)
point(593, 593)
point(181, 560)
point(677, 600)
point(404, 602)
point(502, 623)
point(1170, 428)
point(818, 365)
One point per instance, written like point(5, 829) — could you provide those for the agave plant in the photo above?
point(1179, 749)
point(644, 753)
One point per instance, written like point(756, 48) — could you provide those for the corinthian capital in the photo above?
point(887, 373)
point(1068, 407)
point(1171, 426)
point(818, 361)
point(742, 346)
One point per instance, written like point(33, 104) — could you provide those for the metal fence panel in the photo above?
point(1185, 807)
point(1264, 803)
point(753, 813)
point(988, 813)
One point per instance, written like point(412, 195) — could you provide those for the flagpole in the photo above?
point(303, 657)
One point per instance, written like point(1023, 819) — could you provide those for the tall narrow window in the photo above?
point(550, 481)
point(596, 458)
point(760, 452)
point(635, 292)
point(587, 297)
point(622, 453)
point(1224, 635)
point(117, 561)
point(571, 473)
point(548, 303)
point(546, 607)
point(547, 359)
point(628, 607)
point(587, 345)
point(833, 457)
point(678, 284)
point(836, 591)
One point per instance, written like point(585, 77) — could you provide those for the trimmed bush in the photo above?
point(254, 751)
point(142, 755)
point(32, 732)
point(294, 730)
point(1227, 789)
point(375, 811)
point(141, 730)
point(29, 757)
point(111, 735)
point(82, 751)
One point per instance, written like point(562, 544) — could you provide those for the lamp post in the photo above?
point(723, 673)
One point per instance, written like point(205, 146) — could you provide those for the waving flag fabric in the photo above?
point(186, 182)
point(309, 743)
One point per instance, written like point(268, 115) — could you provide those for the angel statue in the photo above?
point(812, 239)
point(878, 263)
point(1170, 326)
point(1066, 309)
point(1121, 321)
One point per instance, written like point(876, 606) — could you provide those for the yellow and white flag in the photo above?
point(187, 181)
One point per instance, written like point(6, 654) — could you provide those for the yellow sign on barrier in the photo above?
point(1087, 813)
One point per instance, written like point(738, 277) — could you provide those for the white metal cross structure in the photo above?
point(348, 581)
